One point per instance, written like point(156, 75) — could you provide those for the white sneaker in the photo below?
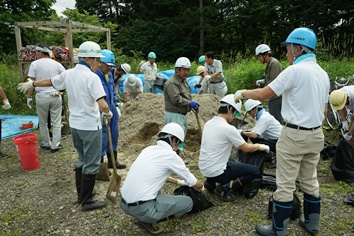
point(6, 106)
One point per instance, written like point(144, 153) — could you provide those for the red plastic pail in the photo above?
point(27, 150)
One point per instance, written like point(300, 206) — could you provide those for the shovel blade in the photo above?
point(113, 189)
point(103, 173)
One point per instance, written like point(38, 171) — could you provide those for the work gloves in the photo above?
point(347, 137)
point(29, 102)
point(259, 82)
point(345, 125)
point(107, 115)
point(263, 147)
point(238, 95)
point(193, 104)
point(24, 87)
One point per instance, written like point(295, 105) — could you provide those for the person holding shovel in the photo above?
point(304, 88)
point(86, 97)
point(108, 85)
point(152, 168)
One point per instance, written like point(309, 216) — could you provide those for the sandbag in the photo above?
point(296, 211)
point(342, 165)
point(269, 182)
point(200, 202)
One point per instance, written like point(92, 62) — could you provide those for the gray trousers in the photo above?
point(163, 206)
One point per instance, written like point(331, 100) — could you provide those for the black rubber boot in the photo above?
point(223, 191)
point(87, 185)
point(280, 220)
point(78, 172)
point(209, 185)
point(312, 208)
point(118, 165)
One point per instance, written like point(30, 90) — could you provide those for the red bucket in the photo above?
point(27, 150)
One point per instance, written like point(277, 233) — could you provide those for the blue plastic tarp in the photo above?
point(11, 125)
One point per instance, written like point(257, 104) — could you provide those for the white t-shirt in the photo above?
point(150, 71)
point(217, 139)
point(350, 91)
point(267, 126)
point(304, 87)
point(83, 88)
point(137, 88)
point(150, 170)
point(45, 68)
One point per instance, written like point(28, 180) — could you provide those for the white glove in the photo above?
point(29, 102)
point(238, 95)
point(55, 94)
point(107, 115)
point(345, 125)
point(263, 147)
point(347, 137)
point(207, 78)
point(181, 182)
point(260, 82)
point(24, 87)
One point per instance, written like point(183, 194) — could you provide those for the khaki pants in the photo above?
point(298, 153)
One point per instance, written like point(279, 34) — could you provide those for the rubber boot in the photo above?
point(223, 191)
point(78, 172)
point(87, 185)
point(312, 208)
point(280, 220)
point(118, 165)
point(209, 185)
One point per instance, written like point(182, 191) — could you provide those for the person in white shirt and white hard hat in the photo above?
point(132, 86)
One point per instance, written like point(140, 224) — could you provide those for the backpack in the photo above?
point(200, 202)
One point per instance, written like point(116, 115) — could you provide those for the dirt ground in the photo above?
point(43, 201)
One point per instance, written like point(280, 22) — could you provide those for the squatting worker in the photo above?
point(153, 166)
point(86, 98)
point(219, 135)
point(178, 98)
point(341, 100)
point(107, 81)
point(132, 86)
point(304, 87)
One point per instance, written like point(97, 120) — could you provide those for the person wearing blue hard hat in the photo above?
point(304, 88)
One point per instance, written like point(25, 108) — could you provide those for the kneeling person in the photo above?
point(152, 167)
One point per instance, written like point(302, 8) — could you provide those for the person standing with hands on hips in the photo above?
point(86, 97)
point(304, 87)
point(178, 98)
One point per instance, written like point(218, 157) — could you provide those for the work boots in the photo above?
point(118, 165)
point(312, 207)
point(223, 191)
point(87, 185)
point(280, 220)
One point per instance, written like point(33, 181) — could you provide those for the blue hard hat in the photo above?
point(108, 58)
point(302, 36)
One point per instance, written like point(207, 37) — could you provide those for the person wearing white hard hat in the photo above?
point(272, 70)
point(149, 68)
point(213, 68)
point(304, 88)
point(343, 101)
point(104, 72)
point(132, 86)
point(118, 72)
point(48, 99)
point(86, 98)
point(219, 137)
point(152, 168)
point(267, 129)
point(178, 98)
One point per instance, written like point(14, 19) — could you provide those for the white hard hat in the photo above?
point(90, 49)
point(250, 104)
point(174, 129)
point(262, 48)
point(229, 99)
point(183, 62)
point(126, 68)
point(200, 70)
point(131, 80)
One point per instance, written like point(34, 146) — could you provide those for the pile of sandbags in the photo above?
point(28, 53)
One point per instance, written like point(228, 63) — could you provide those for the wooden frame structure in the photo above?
point(66, 27)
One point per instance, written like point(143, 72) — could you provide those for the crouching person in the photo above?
point(152, 168)
point(214, 160)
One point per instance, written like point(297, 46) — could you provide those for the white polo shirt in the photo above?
point(304, 88)
point(267, 126)
point(217, 139)
point(137, 88)
point(150, 71)
point(83, 88)
point(150, 171)
point(215, 67)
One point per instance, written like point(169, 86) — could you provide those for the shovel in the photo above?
point(114, 184)
point(103, 173)
point(66, 126)
point(198, 122)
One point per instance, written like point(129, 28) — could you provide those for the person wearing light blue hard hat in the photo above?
point(149, 68)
